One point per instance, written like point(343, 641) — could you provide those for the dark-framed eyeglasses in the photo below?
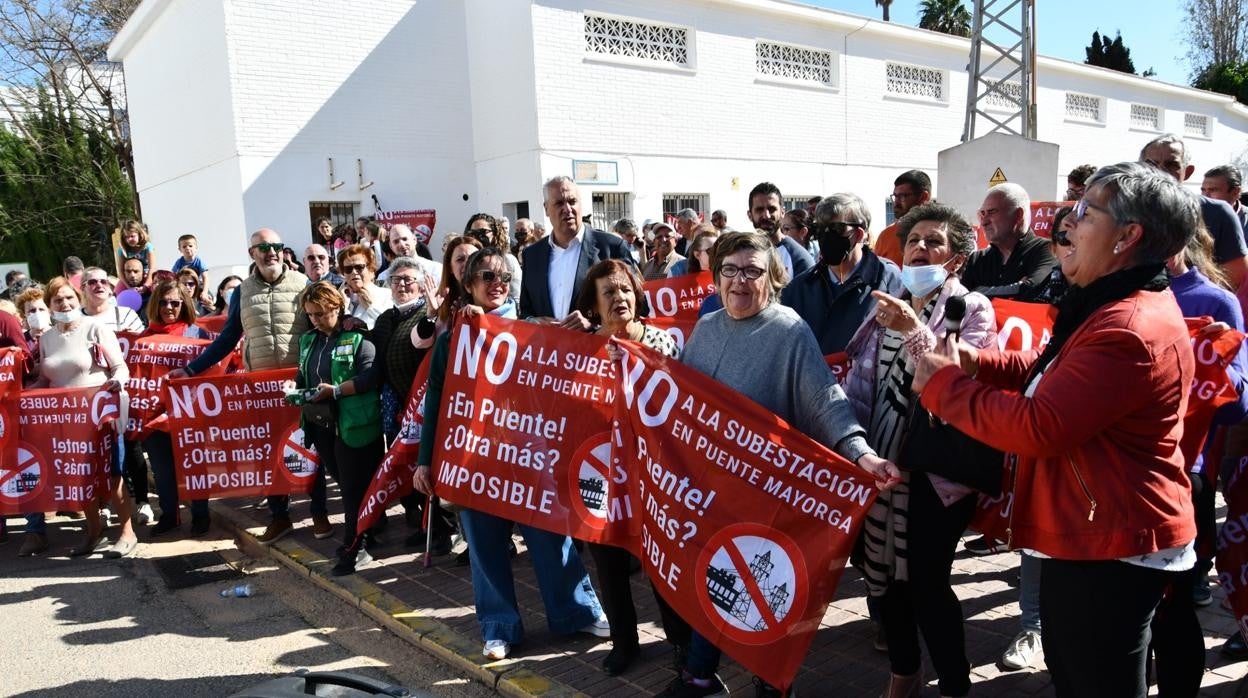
point(403, 280)
point(730, 271)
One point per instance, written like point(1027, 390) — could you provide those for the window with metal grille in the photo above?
point(613, 36)
point(791, 203)
point(1010, 100)
point(338, 212)
point(1144, 116)
point(610, 207)
point(674, 203)
point(1196, 125)
point(915, 81)
point(1083, 107)
point(794, 62)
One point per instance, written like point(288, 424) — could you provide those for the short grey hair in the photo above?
point(1164, 208)
point(1166, 139)
point(731, 243)
point(554, 182)
point(625, 225)
point(401, 263)
point(842, 203)
point(1015, 196)
point(688, 214)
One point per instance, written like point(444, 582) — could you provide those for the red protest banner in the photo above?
point(674, 302)
point(1042, 214)
point(150, 359)
point(212, 324)
point(393, 479)
point(839, 363)
point(11, 366)
point(235, 436)
point(744, 523)
point(524, 427)
point(1232, 543)
point(1023, 325)
point(421, 221)
point(66, 438)
point(1211, 387)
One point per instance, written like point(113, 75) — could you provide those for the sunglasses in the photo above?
point(1060, 239)
point(171, 304)
point(491, 277)
point(354, 268)
point(97, 282)
point(268, 246)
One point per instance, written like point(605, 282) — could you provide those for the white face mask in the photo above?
point(39, 320)
point(229, 293)
point(66, 318)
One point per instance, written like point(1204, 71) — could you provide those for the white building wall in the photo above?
point(182, 129)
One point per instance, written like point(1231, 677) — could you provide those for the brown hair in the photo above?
point(186, 314)
point(694, 266)
point(54, 287)
point(587, 296)
point(127, 226)
point(449, 288)
point(323, 295)
point(364, 251)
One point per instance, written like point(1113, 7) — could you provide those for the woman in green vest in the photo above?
point(343, 422)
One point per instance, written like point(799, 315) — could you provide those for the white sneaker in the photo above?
point(599, 628)
point(496, 649)
point(145, 515)
point(1021, 653)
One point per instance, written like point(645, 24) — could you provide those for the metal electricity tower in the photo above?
point(1002, 86)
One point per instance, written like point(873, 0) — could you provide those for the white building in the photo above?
point(238, 108)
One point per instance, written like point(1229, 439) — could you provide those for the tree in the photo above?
point(885, 4)
point(1109, 54)
point(1226, 78)
point(946, 16)
point(1215, 33)
point(62, 190)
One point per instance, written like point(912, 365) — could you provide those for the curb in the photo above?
point(429, 634)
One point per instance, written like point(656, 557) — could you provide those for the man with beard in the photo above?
point(834, 296)
point(911, 188)
point(765, 212)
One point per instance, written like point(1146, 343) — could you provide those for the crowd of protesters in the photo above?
point(1108, 510)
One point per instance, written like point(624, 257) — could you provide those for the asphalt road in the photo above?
point(101, 628)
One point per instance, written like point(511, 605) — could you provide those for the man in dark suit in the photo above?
point(555, 266)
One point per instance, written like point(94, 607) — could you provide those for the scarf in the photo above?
point(1079, 303)
point(506, 310)
point(176, 329)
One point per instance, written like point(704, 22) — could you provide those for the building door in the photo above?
point(516, 210)
point(610, 207)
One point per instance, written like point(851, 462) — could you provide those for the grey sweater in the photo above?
point(773, 359)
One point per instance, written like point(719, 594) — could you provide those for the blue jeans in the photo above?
point(36, 523)
point(1029, 593)
point(703, 658)
point(159, 447)
point(567, 593)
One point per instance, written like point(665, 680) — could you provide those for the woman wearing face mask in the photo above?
point(36, 320)
point(78, 352)
point(911, 532)
point(225, 291)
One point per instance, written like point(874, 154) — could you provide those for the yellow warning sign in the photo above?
point(998, 177)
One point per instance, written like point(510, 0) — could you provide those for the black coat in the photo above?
point(535, 287)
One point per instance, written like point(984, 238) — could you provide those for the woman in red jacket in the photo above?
point(1100, 492)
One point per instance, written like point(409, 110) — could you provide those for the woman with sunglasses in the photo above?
point(571, 605)
point(190, 281)
point(367, 300)
point(171, 311)
point(1095, 420)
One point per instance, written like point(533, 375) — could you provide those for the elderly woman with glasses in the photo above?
point(367, 300)
point(911, 532)
point(1100, 491)
point(794, 383)
point(100, 305)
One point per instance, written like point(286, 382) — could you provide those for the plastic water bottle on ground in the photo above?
point(240, 591)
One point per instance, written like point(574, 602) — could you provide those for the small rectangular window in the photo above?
point(609, 207)
point(1196, 125)
point(1009, 101)
point(675, 203)
point(1145, 117)
point(625, 38)
point(1085, 107)
point(794, 62)
point(915, 81)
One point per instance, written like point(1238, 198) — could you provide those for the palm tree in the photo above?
point(947, 16)
point(885, 4)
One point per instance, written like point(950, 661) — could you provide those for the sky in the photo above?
point(1150, 28)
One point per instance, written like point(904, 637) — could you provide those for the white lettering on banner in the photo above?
point(662, 301)
point(224, 481)
point(657, 380)
point(205, 396)
point(1026, 338)
point(468, 355)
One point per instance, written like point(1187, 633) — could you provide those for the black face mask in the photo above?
point(833, 245)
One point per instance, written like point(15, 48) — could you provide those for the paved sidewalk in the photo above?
point(433, 607)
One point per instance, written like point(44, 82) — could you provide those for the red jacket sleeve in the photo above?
point(1084, 390)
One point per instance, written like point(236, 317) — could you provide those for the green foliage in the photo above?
point(1109, 54)
point(1226, 78)
point(946, 16)
point(62, 192)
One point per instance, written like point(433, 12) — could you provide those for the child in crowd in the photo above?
point(188, 245)
point(135, 244)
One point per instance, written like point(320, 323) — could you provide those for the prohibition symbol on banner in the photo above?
point(24, 481)
point(298, 461)
point(752, 577)
point(589, 481)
